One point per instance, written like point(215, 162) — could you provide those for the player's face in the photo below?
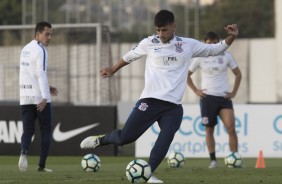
point(45, 36)
point(166, 32)
point(212, 41)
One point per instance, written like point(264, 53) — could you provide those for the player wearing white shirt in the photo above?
point(35, 94)
point(215, 98)
point(166, 73)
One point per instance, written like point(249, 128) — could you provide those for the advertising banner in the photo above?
point(258, 127)
point(70, 125)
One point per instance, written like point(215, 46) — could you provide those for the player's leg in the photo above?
point(45, 119)
point(169, 124)
point(143, 115)
point(228, 119)
point(210, 141)
point(209, 112)
point(28, 114)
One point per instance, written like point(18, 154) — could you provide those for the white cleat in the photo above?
point(153, 179)
point(40, 169)
point(91, 142)
point(213, 164)
point(23, 162)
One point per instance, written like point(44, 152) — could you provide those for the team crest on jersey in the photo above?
point(143, 106)
point(205, 120)
point(220, 60)
point(178, 47)
point(155, 40)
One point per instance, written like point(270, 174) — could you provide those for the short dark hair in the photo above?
point(41, 25)
point(211, 36)
point(163, 18)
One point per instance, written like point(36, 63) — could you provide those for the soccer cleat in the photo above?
point(213, 164)
point(40, 169)
point(153, 179)
point(23, 162)
point(91, 142)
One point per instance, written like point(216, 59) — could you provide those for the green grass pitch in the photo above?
point(67, 170)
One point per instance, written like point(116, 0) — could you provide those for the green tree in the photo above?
point(255, 18)
point(11, 11)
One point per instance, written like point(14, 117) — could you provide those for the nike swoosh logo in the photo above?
point(60, 136)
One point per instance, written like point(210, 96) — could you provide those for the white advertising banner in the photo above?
point(258, 127)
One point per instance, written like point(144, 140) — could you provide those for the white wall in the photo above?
point(278, 46)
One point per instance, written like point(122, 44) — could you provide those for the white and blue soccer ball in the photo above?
point(233, 160)
point(175, 160)
point(138, 171)
point(91, 163)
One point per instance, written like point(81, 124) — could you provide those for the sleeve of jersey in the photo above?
point(139, 51)
point(203, 50)
point(41, 72)
point(194, 64)
point(232, 62)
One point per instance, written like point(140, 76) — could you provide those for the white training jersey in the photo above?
point(214, 72)
point(33, 79)
point(167, 64)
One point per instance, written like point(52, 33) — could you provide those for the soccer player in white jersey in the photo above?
point(166, 74)
point(215, 98)
point(35, 94)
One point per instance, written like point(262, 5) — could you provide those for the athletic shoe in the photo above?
point(40, 169)
point(213, 164)
point(153, 179)
point(23, 162)
point(91, 142)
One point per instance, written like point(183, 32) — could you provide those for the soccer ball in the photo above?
point(175, 160)
point(233, 160)
point(91, 163)
point(138, 171)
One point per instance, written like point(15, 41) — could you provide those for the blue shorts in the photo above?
point(210, 107)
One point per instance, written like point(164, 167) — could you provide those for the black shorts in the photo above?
point(210, 107)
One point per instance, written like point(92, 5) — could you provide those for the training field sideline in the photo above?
point(68, 170)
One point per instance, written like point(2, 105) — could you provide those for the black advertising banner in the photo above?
point(70, 125)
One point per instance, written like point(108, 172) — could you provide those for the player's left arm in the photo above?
point(238, 76)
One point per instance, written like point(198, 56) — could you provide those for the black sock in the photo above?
point(212, 156)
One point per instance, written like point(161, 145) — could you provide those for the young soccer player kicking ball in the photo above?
point(167, 63)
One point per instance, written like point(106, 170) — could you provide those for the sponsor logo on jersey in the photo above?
point(168, 60)
point(157, 49)
point(178, 47)
point(23, 86)
point(143, 106)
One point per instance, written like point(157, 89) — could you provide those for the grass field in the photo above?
point(68, 170)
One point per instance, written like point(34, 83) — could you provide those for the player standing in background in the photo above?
point(214, 96)
point(166, 71)
point(35, 94)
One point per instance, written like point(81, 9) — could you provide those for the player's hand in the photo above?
point(200, 92)
point(229, 95)
point(232, 29)
point(53, 91)
point(41, 105)
point(106, 72)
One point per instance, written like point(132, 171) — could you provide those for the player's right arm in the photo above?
point(109, 71)
point(192, 68)
point(191, 84)
point(134, 54)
